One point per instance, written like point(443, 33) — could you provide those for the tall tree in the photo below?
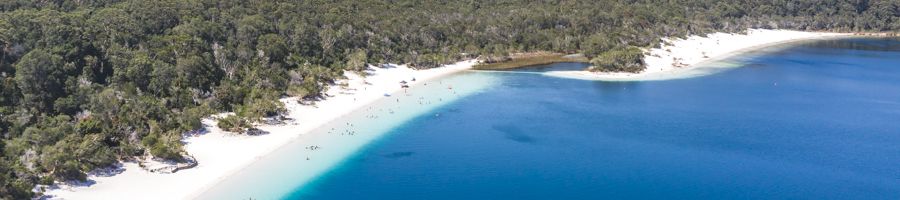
point(40, 77)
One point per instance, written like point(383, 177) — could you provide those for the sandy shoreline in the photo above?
point(220, 154)
point(697, 56)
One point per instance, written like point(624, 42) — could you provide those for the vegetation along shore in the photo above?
point(88, 85)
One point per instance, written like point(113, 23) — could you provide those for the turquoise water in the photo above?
point(296, 164)
point(819, 120)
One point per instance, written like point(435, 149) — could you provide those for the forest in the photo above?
point(85, 84)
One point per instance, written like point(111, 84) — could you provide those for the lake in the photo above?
point(816, 120)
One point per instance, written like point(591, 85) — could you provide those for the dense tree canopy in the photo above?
point(87, 83)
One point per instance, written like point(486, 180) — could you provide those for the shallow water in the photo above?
point(816, 121)
point(313, 154)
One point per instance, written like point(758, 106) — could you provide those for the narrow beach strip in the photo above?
point(697, 55)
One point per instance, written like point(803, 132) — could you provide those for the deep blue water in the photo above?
point(816, 121)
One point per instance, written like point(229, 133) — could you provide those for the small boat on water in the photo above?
point(387, 95)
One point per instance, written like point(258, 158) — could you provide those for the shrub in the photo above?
point(628, 59)
point(233, 123)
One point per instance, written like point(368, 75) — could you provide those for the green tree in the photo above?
point(273, 48)
point(356, 61)
point(40, 77)
point(629, 59)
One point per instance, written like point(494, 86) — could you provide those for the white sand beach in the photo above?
point(220, 154)
point(696, 55)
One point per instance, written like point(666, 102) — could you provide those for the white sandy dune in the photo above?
point(220, 154)
point(696, 55)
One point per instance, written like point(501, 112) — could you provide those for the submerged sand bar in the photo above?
point(696, 55)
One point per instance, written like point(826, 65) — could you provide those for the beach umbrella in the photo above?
point(402, 82)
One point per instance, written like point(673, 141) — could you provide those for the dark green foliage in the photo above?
point(12, 187)
point(86, 83)
point(628, 59)
point(161, 143)
point(40, 77)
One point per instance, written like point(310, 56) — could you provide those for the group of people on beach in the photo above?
point(373, 113)
point(313, 147)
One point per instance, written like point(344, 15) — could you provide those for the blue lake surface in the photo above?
point(818, 120)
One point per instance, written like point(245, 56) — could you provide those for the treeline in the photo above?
point(684, 17)
point(88, 83)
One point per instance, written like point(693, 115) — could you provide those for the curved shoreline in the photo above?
point(688, 58)
point(284, 171)
point(221, 154)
